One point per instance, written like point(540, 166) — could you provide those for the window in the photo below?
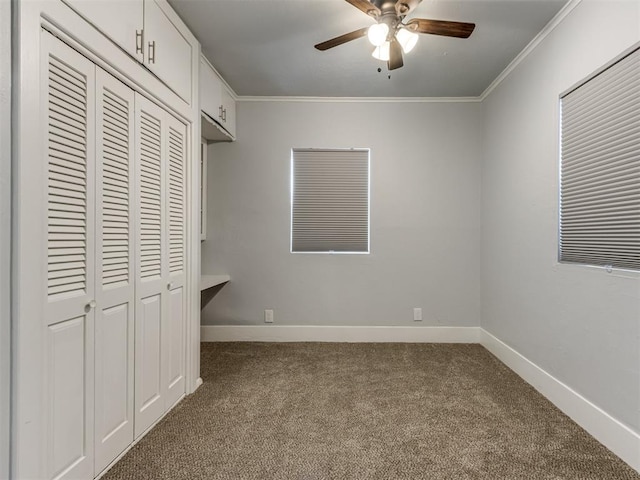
point(330, 201)
point(600, 168)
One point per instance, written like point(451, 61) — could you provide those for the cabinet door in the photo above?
point(210, 92)
point(228, 112)
point(120, 20)
point(150, 275)
point(174, 327)
point(114, 331)
point(68, 92)
point(168, 52)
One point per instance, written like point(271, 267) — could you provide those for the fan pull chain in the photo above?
point(380, 71)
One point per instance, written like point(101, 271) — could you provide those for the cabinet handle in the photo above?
point(224, 114)
point(89, 306)
point(220, 112)
point(170, 286)
point(139, 41)
point(152, 52)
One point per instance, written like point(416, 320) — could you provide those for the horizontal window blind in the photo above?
point(330, 201)
point(600, 169)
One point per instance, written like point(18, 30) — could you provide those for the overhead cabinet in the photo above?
point(115, 296)
point(210, 91)
point(148, 30)
point(167, 52)
point(228, 111)
point(217, 104)
point(120, 20)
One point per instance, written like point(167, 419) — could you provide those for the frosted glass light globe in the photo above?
point(377, 34)
point(406, 39)
point(382, 52)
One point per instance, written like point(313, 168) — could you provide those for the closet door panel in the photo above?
point(114, 392)
point(114, 336)
point(69, 87)
point(175, 205)
point(149, 359)
point(175, 355)
point(150, 271)
point(70, 453)
point(68, 93)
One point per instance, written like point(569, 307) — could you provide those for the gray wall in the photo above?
point(5, 229)
point(425, 208)
point(578, 323)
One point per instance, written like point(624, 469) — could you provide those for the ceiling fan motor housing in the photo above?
point(392, 21)
point(395, 7)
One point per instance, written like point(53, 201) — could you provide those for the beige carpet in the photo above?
point(309, 411)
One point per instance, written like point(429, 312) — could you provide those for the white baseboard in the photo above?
point(305, 333)
point(617, 437)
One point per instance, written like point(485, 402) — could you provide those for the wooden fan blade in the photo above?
point(441, 27)
point(395, 55)
point(367, 7)
point(405, 7)
point(347, 37)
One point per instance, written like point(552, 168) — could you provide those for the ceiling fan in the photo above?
point(390, 35)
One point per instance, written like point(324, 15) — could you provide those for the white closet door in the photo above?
point(115, 281)
point(68, 94)
point(150, 271)
point(174, 326)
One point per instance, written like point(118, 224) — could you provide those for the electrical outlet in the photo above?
point(268, 316)
point(417, 314)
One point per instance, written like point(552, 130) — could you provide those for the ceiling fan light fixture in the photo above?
point(382, 52)
point(377, 34)
point(407, 39)
point(390, 36)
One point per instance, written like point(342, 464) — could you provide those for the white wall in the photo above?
point(425, 231)
point(5, 229)
point(578, 323)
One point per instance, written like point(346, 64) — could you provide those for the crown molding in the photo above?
point(550, 27)
point(243, 98)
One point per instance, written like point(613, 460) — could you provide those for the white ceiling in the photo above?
point(265, 47)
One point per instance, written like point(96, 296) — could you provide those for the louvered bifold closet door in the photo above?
point(151, 277)
point(115, 280)
point(68, 94)
point(174, 329)
point(600, 169)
